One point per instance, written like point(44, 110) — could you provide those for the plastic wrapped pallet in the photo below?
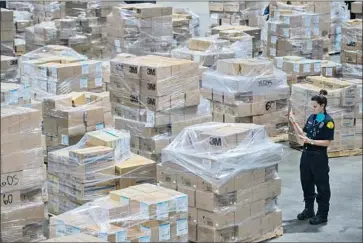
point(141, 213)
point(351, 54)
point(9, 69)
point(246, 91)
point(140, 29)
point(23, 175)
point(185, 25)
point(52, 70)
point(154, 98)
point(342, 98)
point(229, 173)
point(48, 11)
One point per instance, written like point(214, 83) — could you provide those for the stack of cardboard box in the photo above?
point(81, 173)
point(142, 213)
point(9, 69)
point(351, 54)
point(23, 175)
point(237, 12)
point(53, 74)
point(294, 33)
point(22, 19)
point(229, 173)
point(248, 91)
point(154, 98)
point(68, 117)
point(357, 9)
point(342, 100)
point(7, 32)
point(48, 11)
point(185, 25)
point(205, 50)
point(140, 29)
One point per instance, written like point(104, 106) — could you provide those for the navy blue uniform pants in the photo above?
point(314, 171)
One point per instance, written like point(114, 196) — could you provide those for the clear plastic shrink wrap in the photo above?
point(141, 213)
point(229, 172)
point(9, 69)
point(248, 91)
point(343, 107)
point(154, 98)
point(53, 70)
point(140, 29)
point(207, 50)
point(351, 54)
point(294, 30)
point(23, 175)
point(185, 25)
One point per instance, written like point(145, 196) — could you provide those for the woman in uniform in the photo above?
point(317, 135)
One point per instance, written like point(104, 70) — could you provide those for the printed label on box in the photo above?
point(60, 228)
point(182, 204)
point(285, 32)
point(196, 58)
point(307, 68)
point(85, 69)
point(150, 118)
point(316, 31)
point(308, 33)
point(65, 139)
point(286, 20)
point(83, 83)
point(14, 97)
point(145, 230)
point(54, 72)
point(329, 72)
point(309, 44)
point(99, 69)
point(279, 62)
point(72, 230)
point(117, 43)
point(317, 67)
point(273, 27)
point(144, 209)
point(98, 82)
point(43, 71)
point(162, 210)
point(124, 200)
point(103, 235)
point(164, 232)
point(307, 20)
point(296, 68)
point(100, 126)
point(273, 52)
point(181, 227)
point(273, 39)
point(121, 236)
point(145, 238)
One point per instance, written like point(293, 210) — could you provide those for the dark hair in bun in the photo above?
point(321, 99)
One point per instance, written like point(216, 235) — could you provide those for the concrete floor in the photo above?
point(345, 217)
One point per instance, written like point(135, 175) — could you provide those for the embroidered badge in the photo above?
point(330, 125)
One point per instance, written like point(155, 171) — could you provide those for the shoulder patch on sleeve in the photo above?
point(330, 125)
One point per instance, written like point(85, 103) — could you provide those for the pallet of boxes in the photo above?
point(229, 172)
point(155, 98)
point(248, 91)
point(294, 33)
point(101, 162)
point(140, 29)
point(7, 32)
point(141, 213)
point(9, 69)
point(185, 25)
point(23, 175)
point(205, 50)
point(342, 101)
point(351, 54)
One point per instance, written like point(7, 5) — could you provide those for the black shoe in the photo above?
point(306, 214)
point(318, 219)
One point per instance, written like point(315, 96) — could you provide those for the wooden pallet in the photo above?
point(268, 236)
point(332, 154)
point(331, 53)
point(280, 138)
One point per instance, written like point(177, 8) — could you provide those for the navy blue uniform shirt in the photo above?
point(323, 130)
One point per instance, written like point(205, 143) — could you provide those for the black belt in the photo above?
point(314, 148)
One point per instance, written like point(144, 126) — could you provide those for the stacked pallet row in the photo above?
point(141, 213)
point(79, 25)
point(237, 12)
point(351, 55)
point(140, 29)
point(248, 91)
point(231, 195)
point(23, 175)
point(185, 25)
point(342, 102)
point(7, 32)
point(155, 98)
point(293, 33)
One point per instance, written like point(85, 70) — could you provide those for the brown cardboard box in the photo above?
point(191, 194)
point(215, 219)
point(210, 201)
point(212, 235)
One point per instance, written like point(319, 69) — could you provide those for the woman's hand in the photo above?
point(306, 139)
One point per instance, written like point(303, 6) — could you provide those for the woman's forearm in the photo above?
point(298, 128)
point(323, 143)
